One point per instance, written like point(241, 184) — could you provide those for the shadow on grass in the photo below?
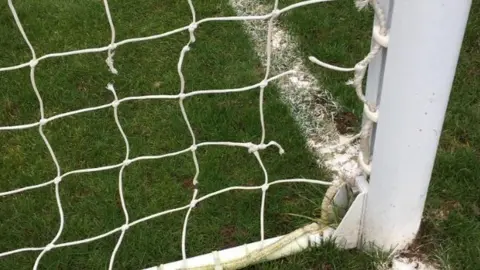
point(222, 57)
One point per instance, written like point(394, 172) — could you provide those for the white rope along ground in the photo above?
point(251, 147)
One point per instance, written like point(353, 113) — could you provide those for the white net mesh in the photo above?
point(252, 147)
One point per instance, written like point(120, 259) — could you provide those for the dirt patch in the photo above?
point(229, 234)
point(444, 211)
point(346, 122)
point(82, 87)
point(417, 253)
point(250, 183)
point(421, 244)
point(188, 184)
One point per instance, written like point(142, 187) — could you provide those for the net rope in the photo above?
point(251, 147)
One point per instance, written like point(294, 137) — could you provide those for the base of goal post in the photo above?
point(346, 235)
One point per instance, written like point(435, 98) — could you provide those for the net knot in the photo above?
point(366, 167)
point(57, 180)
point(43, 121)
point(192, 27)
point(110, 87)
point(193, 203)
point(371, 112)
point(125, 227)
point(193, 147)
point(380, 36)
point(360, 67)
point(115, 103)
point(263, 83)
point(127, 162)
point(358, 77)
point(112, 46)
point(255, 147)
point(186, 48)
point(265, 187)
point(275, 13)
point(182, 96)
point(49, 247)
point(33, 62)
point(109, 62)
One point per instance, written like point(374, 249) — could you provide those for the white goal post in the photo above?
point(410, 83)
point(414, 52)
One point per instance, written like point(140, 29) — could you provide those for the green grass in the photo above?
point(222, 57)
point(454, 236)
point(337, 33)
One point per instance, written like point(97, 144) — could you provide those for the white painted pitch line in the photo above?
point(311, 105)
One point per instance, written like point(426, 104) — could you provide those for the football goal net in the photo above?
point(346, 229)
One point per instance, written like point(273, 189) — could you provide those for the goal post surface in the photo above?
point(425, 39)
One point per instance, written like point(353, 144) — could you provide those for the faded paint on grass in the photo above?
point(312, 106)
